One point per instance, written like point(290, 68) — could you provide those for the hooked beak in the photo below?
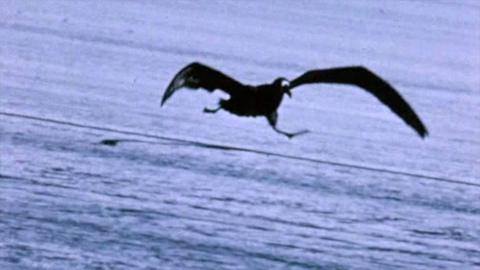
point(288, 93)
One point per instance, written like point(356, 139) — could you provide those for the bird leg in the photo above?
point(272, 120)
point(290, 135)
point(207, 110)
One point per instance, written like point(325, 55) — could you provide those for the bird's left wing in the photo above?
point(364, 78)
point(197, 75)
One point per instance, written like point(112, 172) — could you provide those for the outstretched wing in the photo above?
point(367, 80)
point(197, 75)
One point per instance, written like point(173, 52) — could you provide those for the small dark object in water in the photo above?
point(110, 142)
point(264, 100)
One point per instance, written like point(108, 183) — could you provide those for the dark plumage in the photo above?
point(264, 100)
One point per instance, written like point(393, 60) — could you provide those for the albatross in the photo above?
point(264, 100)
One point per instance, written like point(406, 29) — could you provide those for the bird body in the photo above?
point(264, 99)
point(254, 101)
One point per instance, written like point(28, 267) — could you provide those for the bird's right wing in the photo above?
point(369, 81)
point(197, 75)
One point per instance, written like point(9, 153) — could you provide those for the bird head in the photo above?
point(284, 84)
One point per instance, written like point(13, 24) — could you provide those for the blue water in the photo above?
point(188, 190)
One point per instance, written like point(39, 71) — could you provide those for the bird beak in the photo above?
point(288, 93)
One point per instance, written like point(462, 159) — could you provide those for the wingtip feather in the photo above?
point(425, 134)
point(422, 132)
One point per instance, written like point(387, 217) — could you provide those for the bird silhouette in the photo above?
point(264, 99)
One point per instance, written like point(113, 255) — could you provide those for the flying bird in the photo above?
point(264, 99)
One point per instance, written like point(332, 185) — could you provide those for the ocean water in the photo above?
point(188, 190)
